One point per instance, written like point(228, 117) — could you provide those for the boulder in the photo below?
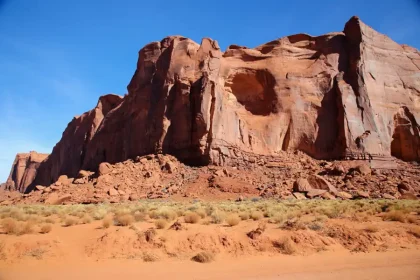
point(362, 194)
point(83, 174)
point(315, 192)
point(318, 182)
point(409, 196)
point(55, 199)
point(104, 168)
point(39, 188)
point(388, 196)
point(344, 195)
point(170, 167)
point(47, 190)
point(404, 187)
point(299, 195)
point(364, 169)
point(112, 192)
point(301, 185)
point(79, 181)
point(327, 195)
point(133, 197)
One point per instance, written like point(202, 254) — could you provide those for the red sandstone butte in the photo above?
point(355, 92)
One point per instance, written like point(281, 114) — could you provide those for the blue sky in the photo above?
point(57, 57)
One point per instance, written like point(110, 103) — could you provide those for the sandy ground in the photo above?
point(349, 247)
point(90, 252)
point(336, 265)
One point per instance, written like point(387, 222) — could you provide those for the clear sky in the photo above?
point(57, 57)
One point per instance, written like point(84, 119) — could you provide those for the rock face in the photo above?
point(24, 170)
point(68, 154)
point(406, 137)
point(328, 96)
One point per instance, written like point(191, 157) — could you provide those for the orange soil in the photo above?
point(90, 252)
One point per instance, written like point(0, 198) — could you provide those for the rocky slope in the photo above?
point(350, 94)
point(290, 175)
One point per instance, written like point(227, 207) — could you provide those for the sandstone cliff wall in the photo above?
point(351, 92)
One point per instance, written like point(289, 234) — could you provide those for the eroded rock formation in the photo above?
point(328, 96)
point(68, 154)
point(24, 170)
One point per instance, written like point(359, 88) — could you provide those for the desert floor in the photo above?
point(365, 239)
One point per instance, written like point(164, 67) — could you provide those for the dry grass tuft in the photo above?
point(286, 245)
point(139, 216)
point(233, 220)
point(191, 218)
point(123, 220)
point(396, 215)
point(201, 212)
point(203, 257)
point(217, 217)
point(45, 228)
point(10, 226)
point(70, 221)
point(161, 224)
point(50, 221)
point(25, 228)
point(244, 216)
point(106, 222)
point(86, 219)
point(256, 215)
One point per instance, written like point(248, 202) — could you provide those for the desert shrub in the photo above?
point(203, 257)
point(10, 226)
point(17, 214)
point(153, 214)
point(49, 221)
point(123, 220)
point(191, 218)
point(167, 214)
point(45, 228)
point(161, 223)
point(316, 226)
point(25, 228)
point(286, 245)
point(70, 221)
point(396, 215)
point(139, 216)
point(217, 217)
point(233, 220)
point(106, 222)
point(293, 224)
point(99, 213)
point(256, 215)
point(278, 218)
point(86, 219)
point(201, 212)
point(209, 210)
point(244, 216)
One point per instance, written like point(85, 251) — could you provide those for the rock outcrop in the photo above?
point(24, 170)
point(68, 154)
point(329, 96)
